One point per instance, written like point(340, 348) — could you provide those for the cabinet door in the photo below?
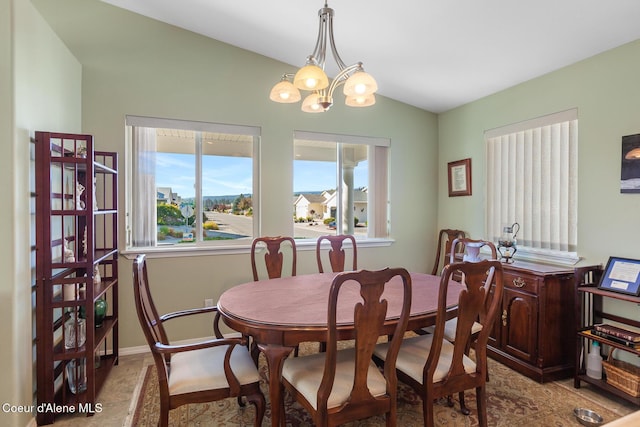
point(518, 322)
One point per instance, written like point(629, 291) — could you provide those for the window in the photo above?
point(532, 180)
point(340, 185)
point(191, 183)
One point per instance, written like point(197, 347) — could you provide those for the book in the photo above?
point(616, 339)
point(618, 332)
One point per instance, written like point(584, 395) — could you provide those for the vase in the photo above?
point(473, 252)
point(100, 311)
point(77, 375)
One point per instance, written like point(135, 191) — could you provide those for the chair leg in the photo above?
point(427, 411)
point(463, 407)
point(481, 399)
point(450, 401)
point(257, 400)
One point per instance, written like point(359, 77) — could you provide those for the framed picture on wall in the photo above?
point(621, 275)
point(630, 168)
point(459, 173)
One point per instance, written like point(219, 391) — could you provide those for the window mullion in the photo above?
point(198, 189)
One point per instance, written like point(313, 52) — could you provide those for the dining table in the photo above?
point(279, 314)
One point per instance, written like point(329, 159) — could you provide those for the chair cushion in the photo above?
point(450, 327)
point(413, 355)
point(305, 373)
point(204, 369)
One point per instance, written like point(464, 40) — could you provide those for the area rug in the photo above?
point(512, 400)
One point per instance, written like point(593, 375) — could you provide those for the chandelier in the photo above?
point(359, 86)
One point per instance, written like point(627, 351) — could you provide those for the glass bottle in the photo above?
point(100, 311)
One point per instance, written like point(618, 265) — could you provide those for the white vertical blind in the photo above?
point(532, 180)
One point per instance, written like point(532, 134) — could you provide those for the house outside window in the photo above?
point(340, 185)
point(532, 180)
point(190, 183)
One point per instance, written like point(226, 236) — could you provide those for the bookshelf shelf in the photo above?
point(76, 265)
point(591, 312)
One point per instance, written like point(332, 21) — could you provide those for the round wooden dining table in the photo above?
point(281, 313)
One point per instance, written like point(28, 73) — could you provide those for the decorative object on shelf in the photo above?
point(84, 241)
point(69, 256)
point(594, 361)
point(459, 177)
point(96, 276)
point(81, 151)
point(100, 311)
point(507, 245)
point(69, 291)
point(359, 86)
point(79, 190)
point(95, 200)
point(621, 275)
point(77, 375)
point(75, 332)
point(622, 375)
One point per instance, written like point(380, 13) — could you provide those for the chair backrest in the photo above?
point(473, 306)
point(147, 314)
point(273, 257)
point(443, 251)
point(337, 255)
point(466, 247)
point(369, 316)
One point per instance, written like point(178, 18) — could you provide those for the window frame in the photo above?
point(198, 247)
point(378, 202)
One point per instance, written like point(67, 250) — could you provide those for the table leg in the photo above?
point(275, 355)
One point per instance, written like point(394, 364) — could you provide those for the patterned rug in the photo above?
point(513, 399)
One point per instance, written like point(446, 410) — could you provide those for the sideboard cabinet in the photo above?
point(534, 332)
point(76, 271)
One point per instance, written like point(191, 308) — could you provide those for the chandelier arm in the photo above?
point(334, 50)
point(319, 51)
point(342, 77)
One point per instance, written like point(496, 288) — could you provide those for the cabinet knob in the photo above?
point(519, 282)
point(504, 317)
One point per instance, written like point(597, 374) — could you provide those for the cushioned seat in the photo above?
point(339, 386)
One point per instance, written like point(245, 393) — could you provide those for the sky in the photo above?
point(232, 175)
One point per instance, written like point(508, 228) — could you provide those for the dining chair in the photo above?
point(445, 238)
point(274, 255)
point(198, 372)
point(433, 366)
point(344, 385)
point(451, 324)
point(337, 255)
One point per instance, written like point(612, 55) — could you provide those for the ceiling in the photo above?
point(433, 54)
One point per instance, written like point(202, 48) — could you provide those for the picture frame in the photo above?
point(621, 275)
point(459, 177)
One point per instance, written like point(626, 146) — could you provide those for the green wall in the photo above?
point(40, 85)
point(605, 89)
point(135, 65)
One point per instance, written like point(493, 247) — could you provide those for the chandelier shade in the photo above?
point(285, 92)
point(311, 77)
point(360, 100)
point(360, 83)
point(359, 86)
point(311, 104)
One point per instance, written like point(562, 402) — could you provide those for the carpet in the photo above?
point(512, 399)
